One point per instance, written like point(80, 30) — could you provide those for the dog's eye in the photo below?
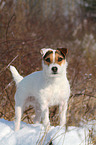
point(48, 59)
point(60, 59)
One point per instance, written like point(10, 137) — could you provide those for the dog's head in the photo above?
point(54, 62)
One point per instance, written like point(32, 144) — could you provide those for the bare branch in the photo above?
point(80, 94)
point(8, 26)
point(8, 65)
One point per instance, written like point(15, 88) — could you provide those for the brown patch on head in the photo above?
point(48, 58)
point(59, 58)
point(63, 51)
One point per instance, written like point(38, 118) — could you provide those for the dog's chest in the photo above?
point(52, 94)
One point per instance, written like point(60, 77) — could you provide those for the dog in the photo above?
point(43, 89)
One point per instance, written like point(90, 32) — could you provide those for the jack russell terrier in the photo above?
point(43, 89)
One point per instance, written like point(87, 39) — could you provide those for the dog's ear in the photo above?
point(43, 51)
point(63, 51)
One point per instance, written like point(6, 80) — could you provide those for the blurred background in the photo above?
point(26, 26)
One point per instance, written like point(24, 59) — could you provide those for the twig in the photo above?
point(21, 40)
point(7, 86)
point(1, 114)
point(8, 26)
point(10, 101)
point(79, 94)
point(8, 65)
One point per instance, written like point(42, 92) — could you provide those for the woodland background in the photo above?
point(26, 26)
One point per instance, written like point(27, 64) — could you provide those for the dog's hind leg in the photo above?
point(37, 118)
point(18, 114)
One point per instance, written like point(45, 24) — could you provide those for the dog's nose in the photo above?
point(54, 69)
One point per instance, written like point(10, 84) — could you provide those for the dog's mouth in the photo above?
point(54, 73)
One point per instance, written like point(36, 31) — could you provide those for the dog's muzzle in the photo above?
point(54, 70)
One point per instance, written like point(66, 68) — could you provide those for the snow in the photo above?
point(35, 134)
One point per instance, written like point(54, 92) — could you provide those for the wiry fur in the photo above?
point(42, 89)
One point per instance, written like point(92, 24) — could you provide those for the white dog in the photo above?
point(43, 88)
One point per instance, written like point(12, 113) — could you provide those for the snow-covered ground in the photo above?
point(35, 134)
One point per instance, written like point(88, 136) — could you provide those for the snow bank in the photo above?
point(35, 134)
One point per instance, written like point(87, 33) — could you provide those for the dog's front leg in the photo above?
point(45, 115)
point(62, 112)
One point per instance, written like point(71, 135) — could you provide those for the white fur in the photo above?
point(42, 89)
point(17, 77)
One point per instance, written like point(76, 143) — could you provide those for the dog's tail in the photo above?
point(17, 77)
